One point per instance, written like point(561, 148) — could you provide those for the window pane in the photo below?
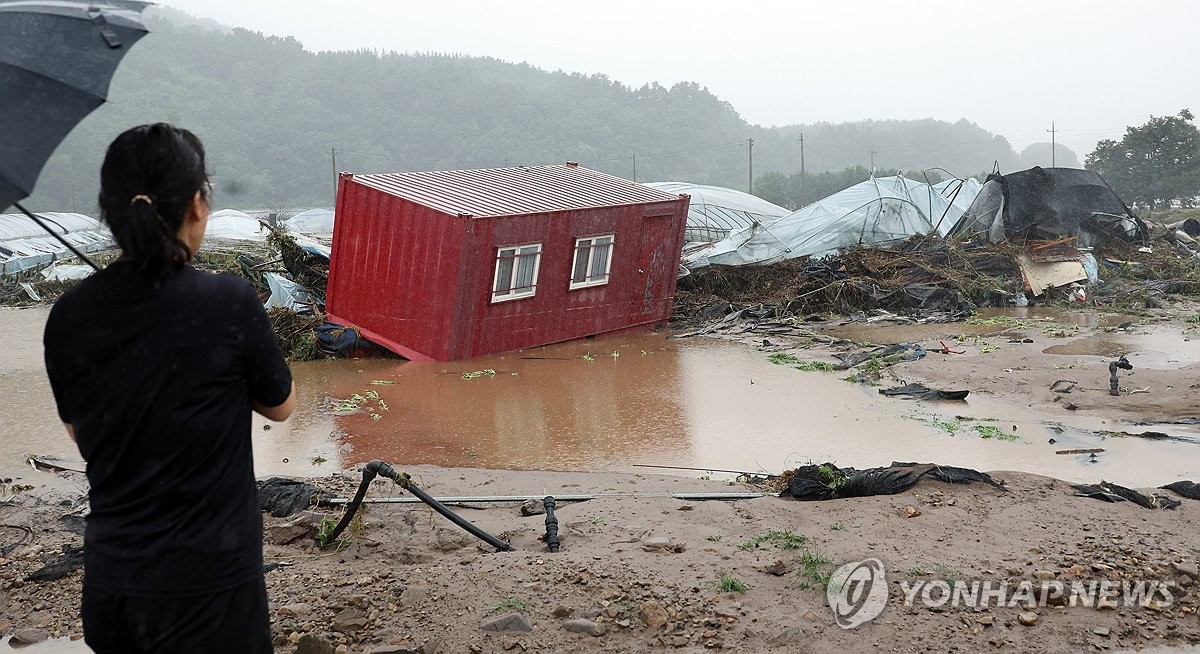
point(504, 271)
point(599, 261)
point(581, 263)
point(531, 249)
point(525, 266)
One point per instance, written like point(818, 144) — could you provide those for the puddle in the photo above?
point(931, 333)
point(1165, 349)
point(1054, 314)
point(612, 402)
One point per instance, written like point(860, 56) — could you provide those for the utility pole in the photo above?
point(1053, 144)
point(801, 154)
point(751, 185)
point(333, 160)
point(635, 166)
point(872, 160)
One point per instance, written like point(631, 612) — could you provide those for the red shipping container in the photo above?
point(449, 265)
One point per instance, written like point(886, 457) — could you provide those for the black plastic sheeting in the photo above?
point(284, 497)
point(1188, 489)
point(924, 298)
point(67, 562)
point(922, 392)
point(1110, 492)
point(1048, 204)
point(827, 481)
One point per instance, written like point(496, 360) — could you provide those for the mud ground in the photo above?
point(643, 572)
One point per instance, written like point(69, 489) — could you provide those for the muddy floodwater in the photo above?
point(614, 402)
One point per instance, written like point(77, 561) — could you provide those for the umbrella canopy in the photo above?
point(57, 58)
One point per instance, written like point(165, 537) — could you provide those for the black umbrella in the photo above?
point(57, 58)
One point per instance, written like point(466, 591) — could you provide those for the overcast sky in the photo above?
point(1013, 67)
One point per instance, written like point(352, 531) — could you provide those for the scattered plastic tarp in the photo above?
point(1110, 492)
point(888, 354)
point(287, 294)
point(314, 222)
point(922, 392)
point(827, 481)
point(715, 211)
point(337, 340)
point(25, 246)
point(284, 497)
point(1188, 489)
point(61, 272)
point(65, 564)
point(312, 246)
point(1048, 204)
point(878, 213)
point(234, 225)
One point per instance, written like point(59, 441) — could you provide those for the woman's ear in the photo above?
point(198, 208)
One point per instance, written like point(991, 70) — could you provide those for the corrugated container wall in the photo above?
point(419, 280)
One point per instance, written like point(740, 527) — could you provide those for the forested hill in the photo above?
point(269, 112)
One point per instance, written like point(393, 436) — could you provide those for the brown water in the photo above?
point(612, 402)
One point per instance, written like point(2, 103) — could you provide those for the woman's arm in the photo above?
point(277, 413)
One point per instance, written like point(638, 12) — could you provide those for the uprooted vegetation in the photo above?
point(928, 274)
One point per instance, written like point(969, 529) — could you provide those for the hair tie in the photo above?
point(141, 198)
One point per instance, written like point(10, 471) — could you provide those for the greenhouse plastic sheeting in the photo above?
point(234, 225)
point(715, 211)
point(877, 213)
point(24, 245)
point(314, 222)
point(287, 294)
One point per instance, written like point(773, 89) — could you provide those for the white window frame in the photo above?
point(515, 253)
point(589, 280)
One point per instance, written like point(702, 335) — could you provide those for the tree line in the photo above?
point(279, 121)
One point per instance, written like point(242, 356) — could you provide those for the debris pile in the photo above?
point(927, 275)
point(945, 279)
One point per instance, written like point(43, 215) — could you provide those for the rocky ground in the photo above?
point(639, 571)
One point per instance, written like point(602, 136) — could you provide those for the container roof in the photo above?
point(510, 191)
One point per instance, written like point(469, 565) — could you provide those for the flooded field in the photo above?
point(611, 403)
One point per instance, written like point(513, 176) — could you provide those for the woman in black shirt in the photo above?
point(155, 369)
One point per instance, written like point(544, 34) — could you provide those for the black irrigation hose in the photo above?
point(459, 520)
point(377, 467)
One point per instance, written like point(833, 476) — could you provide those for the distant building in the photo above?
point(450, 265)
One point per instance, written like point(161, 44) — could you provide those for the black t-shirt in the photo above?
point(157, 379)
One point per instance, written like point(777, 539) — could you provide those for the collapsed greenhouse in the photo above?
point(877, 213)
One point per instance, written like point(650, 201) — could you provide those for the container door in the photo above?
point(654, 264)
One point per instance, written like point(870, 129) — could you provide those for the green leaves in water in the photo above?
point(785, 359)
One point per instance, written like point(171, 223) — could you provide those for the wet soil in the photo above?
point(416, 581)
point(407, 578)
